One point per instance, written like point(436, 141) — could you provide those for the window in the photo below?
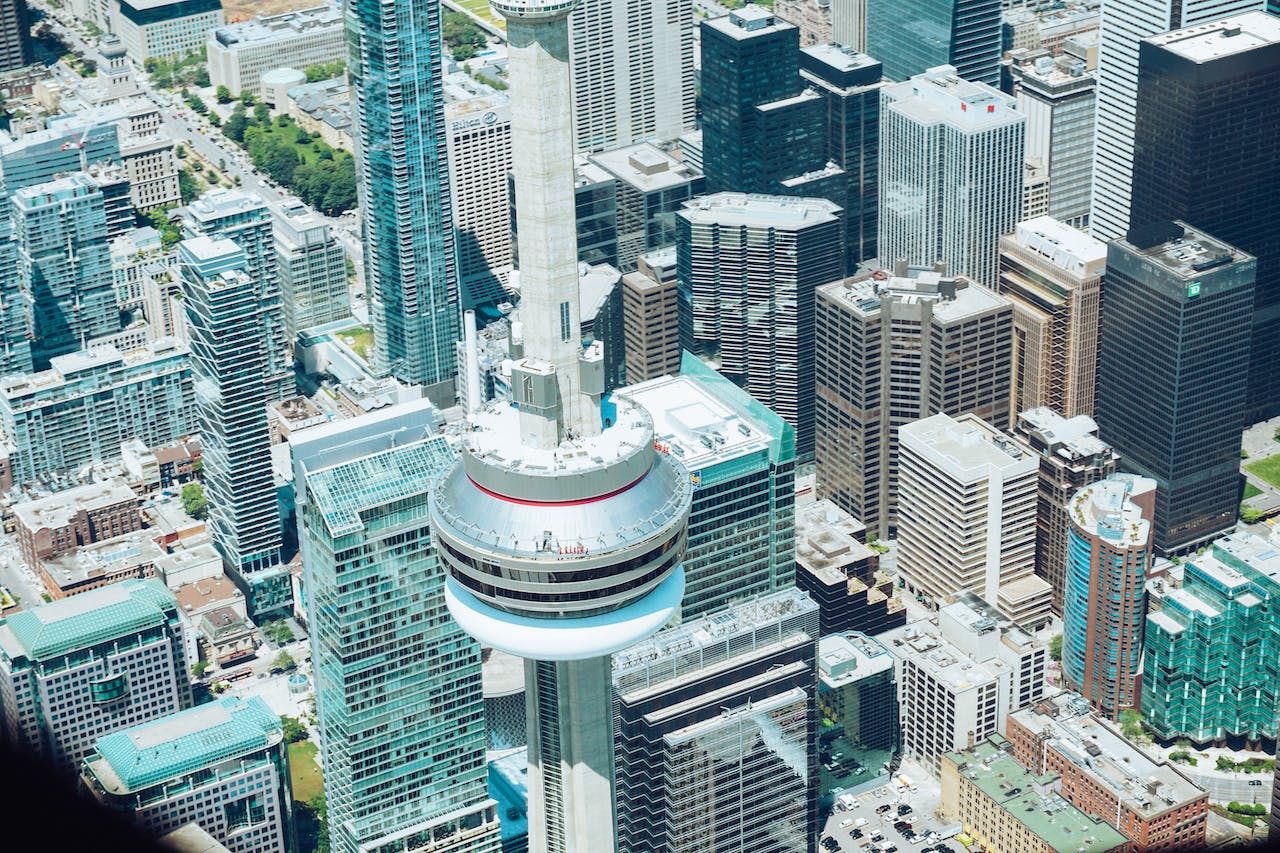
point(564, 321)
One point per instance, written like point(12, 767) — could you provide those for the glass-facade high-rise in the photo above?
point(403, 171)
point(398, 693)
point(912, 36)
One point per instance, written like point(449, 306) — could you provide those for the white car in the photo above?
point(846, 823)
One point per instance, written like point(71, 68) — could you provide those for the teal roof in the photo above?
point(342, 491)
point(180, 743)
point(782, 446)
point(92, 617)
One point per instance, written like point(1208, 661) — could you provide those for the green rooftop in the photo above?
point(1061, 825)
point(343, 491)
point(181, 743)
point(97, 616)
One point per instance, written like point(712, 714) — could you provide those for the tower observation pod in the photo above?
point(561, 532)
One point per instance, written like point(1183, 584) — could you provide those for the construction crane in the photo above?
point(79, 144)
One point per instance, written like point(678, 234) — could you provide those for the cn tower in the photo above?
point(561, 531)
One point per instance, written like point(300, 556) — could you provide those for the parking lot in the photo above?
point(869, 826)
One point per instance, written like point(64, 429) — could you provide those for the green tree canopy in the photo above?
point(194, 502)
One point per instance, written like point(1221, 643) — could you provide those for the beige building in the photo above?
point(240, 53)
point(1053, 273)
point(478, 131)
point(650, 320)
point(811, 17)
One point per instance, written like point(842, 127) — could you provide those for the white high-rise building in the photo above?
point(1125, 23)
point(967, 515)
point(479, 133)
point(951, 172)
point(633, 78)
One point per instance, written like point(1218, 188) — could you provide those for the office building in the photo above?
point(857, 693)
point(891, 331)
point(1104, 604)
point(951, 174)
point(960, 675)
point(76, 669)
point(1210, 646)
point(229, 356)
point(1173, 367)
point(164, 29)
point(15, 35)
point(947, 540)
point(410, 262)
point(556, 579)
point(241, 52)
point(395, 675)
point(849, 23)
point(1058, 95)
point(1192, 82)
point(1003, 806)
point(741, 459)
point(736, 252)
point(37, 156)
point(243, 217)
point(841, 573)
point(651, 317)
point(223, 765)
point(1071, 457)
point(633, 76)
point(652, 186)
point(64, 265)
point(1052, 274)
point(811, 17)
point(479, 134)
point(1125, 23)
point(312, 266)
point(850, 83)
point(87, 403)
point(912, 37)
point(717, 732)
point(1154, 805)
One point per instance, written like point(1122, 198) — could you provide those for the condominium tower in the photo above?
point(951, 172)
point(1052, 274)
point(1173, 373)
point(883, 347)
point(15, 34)
point(313, 270)
point(913, 36)
point(401, 155)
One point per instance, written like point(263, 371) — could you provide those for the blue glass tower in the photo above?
point(410, 267)
point(912, 36)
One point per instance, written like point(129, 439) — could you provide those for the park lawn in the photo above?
point(288, 135)
point(1251, 491)
point(480, 8)
point(361, 340)
point(1267, 469)
point(304, 771)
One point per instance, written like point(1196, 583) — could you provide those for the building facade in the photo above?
point(883, 346)
point(1173, 368)
point(1104, 604)
point(917, 35)
point(52, 526)
point(857, 693)
point(651, 317)
point(241, 52)
point(717, 732)
point(223, 765)
point(1053, 275)
point(15, 35)
point(163, 28)
point(76, 669)
point(479, 129)
point(736, 252)
point(312, 266)
point(951, 172)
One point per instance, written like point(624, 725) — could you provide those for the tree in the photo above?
point(278, 632)
point(284, 662)
point(1055, 647)
point(1249, 515)
point(194, 502)
point(223, 94)
point(199, 667)
point(261, 113)
point(1131, 724)
point(187, 186)
point(158, 218)
point(235, 126)
point(341, 195)
point(301, 137)
point(294, 730)
point(215, 120)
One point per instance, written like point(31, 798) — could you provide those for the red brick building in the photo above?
point(52, 526)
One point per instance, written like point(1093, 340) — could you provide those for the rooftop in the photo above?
point(59, 509)
point(846, 658)
point(131, 552)
point(969, 444)
point(922, 642)
point(228, 728)
point(1181, 249)
point(826, 541)
point(939, 95)
point(1067, 724)
point(954, 298)
point(1225, 37)
point(840, 57)
point(271, 27)
point(1063, 246)
point(1105, 508)
point(93, 617)
point(1068, 438)
point(758, 211)
point(645, 167)
point(747, 22)
point(218, 203)
point(206, 593)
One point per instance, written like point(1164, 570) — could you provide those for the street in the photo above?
point(17, 577)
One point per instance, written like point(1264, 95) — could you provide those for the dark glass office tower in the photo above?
point(1206, 147)
point(912, 36)
point(1172, 373)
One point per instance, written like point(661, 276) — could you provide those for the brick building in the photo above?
point(52, 526)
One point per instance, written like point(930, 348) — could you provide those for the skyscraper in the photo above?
point(229, 354)
point(402, 160)
point(913, 36)
point(1124, 24)
point(15, 308)
point(398, 692)
point(561, 540)
point(633, 76)
point(1193, 82)
point(750, 266)
point(15, 34)
point(313, 271)
point(951, 172)
point(1173, 371)
point(1105, 605)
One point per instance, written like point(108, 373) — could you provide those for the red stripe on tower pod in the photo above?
point(575, 502)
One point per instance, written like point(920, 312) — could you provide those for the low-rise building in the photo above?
point(50, 527)
point(1006, 808)
point(323, 107)
point(109, 561)
point(190, 562)
point(1106, 776)
point(240, 52)
point(223, 764)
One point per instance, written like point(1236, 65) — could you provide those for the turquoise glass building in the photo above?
point(1212, 651)
point(398, 692)
point(402, 169)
